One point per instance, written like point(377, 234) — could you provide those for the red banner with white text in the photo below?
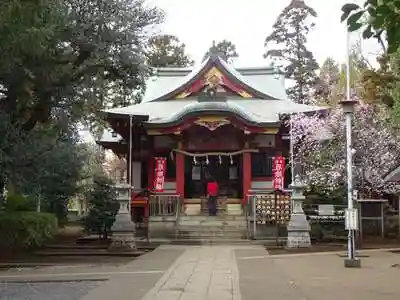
point(278, 169)
point(160, 171)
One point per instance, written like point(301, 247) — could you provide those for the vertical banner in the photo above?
point(279, 172)
point(160, 170)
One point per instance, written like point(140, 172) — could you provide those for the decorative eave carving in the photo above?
point(212, 123)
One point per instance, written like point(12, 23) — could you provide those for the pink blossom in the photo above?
point(377, 147)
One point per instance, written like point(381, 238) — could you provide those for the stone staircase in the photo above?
point(200, 229)
point(218, 229)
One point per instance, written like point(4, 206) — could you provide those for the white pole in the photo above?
point(291, 150)
point(349, 154)
point(349, 180)
point(130, 162)
point(348, 95)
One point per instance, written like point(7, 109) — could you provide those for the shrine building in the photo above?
point(212, 121)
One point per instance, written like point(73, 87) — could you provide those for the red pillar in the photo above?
point(150, 172)
point(180, 174)
point(246, 175)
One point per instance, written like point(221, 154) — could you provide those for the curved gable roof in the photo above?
point(173, 83)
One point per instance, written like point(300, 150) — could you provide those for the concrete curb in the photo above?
point(339, 253)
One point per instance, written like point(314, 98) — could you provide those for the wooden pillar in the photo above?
point(150, 165)
point(180, 174)
point(150, 172)
point(246, 175)
point(128, 166)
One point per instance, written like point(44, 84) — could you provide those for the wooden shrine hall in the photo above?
point(212, 121)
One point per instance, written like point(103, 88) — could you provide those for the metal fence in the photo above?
point(327, 221)
point(379, 218)
point(164, 205)
point(267, 215)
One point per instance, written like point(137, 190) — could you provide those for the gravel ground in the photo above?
point(46, 290)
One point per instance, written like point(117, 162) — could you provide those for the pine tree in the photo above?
point(225, 48)
point(167, 51)
point(289, 37)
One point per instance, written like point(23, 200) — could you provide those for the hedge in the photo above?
point(24, 230)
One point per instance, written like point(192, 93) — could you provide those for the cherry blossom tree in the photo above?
point(320, 145)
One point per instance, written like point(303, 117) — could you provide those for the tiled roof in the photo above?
point(264, 80)
point(257, 111)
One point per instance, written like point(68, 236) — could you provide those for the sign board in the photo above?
point(278, 171)
point(160, 171)
point(326, 210)
point(351, 219)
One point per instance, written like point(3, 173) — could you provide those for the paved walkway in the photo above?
point(200, 273)
point(216, 273)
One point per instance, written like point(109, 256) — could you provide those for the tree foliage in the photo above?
point(167, 51)
point(225, 48)
point(60, 63)
point(49, 168)
point(76, 56)
point(286, 45)
point(328, 79)
point(378, 19)
point(103, 207)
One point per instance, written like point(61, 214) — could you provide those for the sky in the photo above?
point(247, 23)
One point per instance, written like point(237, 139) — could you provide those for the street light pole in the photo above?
point(351, 213)
point(348, 107)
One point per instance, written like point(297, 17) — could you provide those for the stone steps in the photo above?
point(223, 229)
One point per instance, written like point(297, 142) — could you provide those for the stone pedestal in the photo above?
point(298, 227)
point(352, 263)
point(123, 229)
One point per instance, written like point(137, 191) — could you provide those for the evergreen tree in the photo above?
point(225, 48)
point(289, 37)
point(327, 81)
point(331, 85)
point(77, 56)
point(103, 207)
point(167, 51)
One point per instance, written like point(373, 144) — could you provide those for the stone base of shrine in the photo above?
point(298, 239)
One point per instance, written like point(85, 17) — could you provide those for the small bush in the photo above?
point(24, 230)
point(17, 202)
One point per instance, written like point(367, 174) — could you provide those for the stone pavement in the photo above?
point(319, 277)
point(220, 272)
point(200, 273)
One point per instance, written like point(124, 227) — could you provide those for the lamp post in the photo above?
point(351, 214)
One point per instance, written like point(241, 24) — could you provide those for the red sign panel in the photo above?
point(160, 170)
point(279, 172)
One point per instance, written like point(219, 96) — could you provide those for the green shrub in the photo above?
point(24, 230)
point(317, 232)
point(18, 202)
point(103, 207)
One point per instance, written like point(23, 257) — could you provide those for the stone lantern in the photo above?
point(298, 227)
point(123, 229)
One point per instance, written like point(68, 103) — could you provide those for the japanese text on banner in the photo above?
point(279, 172)
point(160, 170)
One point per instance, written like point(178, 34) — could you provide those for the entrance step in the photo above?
point(212, 228)
point(211, 221)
